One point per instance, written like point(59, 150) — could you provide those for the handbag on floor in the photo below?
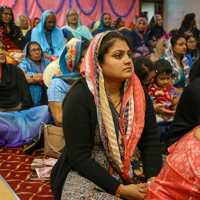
point(53, 140)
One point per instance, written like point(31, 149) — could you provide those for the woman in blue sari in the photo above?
point(49, 36)
point(19, 118)
point(69, 62)
point(105, 24)
point(33, 66)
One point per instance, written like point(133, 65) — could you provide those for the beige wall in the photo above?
point(175, 10)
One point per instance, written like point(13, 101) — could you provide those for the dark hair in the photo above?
point(28, 47)
point(142, 67)
point(36, 18)
point(163, 67)
point(84, 47)
point(106, 14)
point(108, 41)
point(187, 19)
point(175, 38)
point(2, 8)
point(189, 36)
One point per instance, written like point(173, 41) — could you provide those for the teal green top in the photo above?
point(182, 80)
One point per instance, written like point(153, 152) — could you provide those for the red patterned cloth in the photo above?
point(162, 96)
point(180, 178)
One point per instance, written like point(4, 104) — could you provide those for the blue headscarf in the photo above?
point(29, 64)
point(102, 27)
point(68, 62)
point(82, 32)
point(57, 37)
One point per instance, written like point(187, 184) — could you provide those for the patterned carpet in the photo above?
point(15, 168)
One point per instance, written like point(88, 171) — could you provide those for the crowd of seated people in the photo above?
point(110, 87)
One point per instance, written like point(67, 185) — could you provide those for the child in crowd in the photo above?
point(161, 91)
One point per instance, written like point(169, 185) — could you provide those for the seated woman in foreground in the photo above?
point(179, 179)
point(17, 119)
point(33, 66)
point(105, 125)
point(69, 64)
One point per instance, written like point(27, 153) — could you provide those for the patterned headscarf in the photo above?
point(117, 21)
point(176, 72)
point(131, 123)
point(68, 62)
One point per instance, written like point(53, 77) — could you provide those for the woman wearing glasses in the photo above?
point(33, 66)
point(192, 53)
point(74, 29)
point(11, 35)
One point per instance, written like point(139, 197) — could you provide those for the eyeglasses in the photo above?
point(7, 14)
point(72, 15)
point(159, 20)
point(148, 81)
point(34, 50)
point(192, 41)
point(23, 21)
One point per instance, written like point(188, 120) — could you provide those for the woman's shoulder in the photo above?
point(12, 66)
point(80, 90)
point(57, 82)
point(14, 69)
point(80, 86)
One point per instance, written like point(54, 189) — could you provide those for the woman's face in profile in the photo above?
point(180, 46)
point(35, 52)
point(36, 22)
point(121, 24)
point(164, 45)
point(117, 65)
point(149, 79)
